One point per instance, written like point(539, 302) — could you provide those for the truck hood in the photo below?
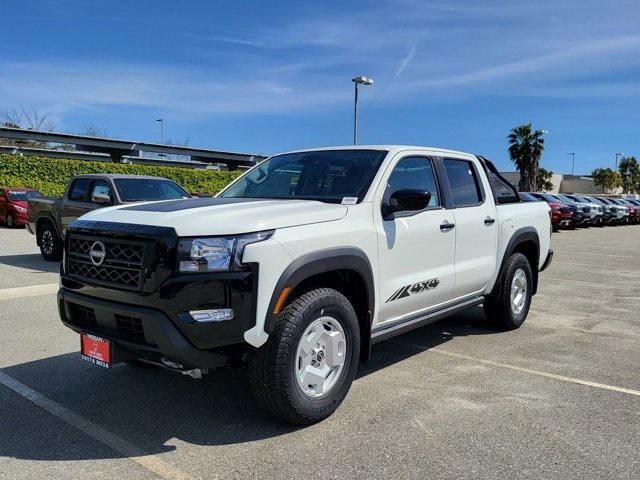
point(221, 216)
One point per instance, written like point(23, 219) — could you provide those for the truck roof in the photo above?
point(390, 148)
point(115, 176)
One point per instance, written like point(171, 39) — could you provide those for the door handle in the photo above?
point(446, 227)
point(489, 221)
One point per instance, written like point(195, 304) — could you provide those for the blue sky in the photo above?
point(270, 76)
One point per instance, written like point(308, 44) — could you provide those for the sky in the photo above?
point(272, 76)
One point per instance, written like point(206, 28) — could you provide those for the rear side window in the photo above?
point(465, 189)
point(414, 173)
point(79, 190)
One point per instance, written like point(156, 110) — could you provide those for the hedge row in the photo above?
point(50, 175)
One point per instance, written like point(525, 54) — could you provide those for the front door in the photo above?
point(415, 249)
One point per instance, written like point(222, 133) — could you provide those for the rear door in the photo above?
point(415, 254)
point(476, 226)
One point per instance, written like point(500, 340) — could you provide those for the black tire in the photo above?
point(499, 308)
point(272, 367)
point(50, 244)
point(9, 221)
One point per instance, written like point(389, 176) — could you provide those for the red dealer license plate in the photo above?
point(95, 350)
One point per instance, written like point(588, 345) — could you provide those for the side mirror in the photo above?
point(408, 200)
point(101, 198)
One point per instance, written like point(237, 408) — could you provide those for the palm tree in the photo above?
point(525, 150)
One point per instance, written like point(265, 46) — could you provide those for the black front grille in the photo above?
point(586, 209)
point(565, 209)
point(123, 263)
point(130, 326)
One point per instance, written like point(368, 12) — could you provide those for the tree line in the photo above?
point(525, 150)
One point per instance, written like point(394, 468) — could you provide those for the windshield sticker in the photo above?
point(349, 200)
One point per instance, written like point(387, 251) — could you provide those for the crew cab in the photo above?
point(297, 267)
point(48, 217)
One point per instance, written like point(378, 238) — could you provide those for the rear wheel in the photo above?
point(50, 243)
point(304, 371)
point(508, 308)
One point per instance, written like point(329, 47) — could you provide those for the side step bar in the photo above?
point(384, 332)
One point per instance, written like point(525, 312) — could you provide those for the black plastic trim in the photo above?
point(321, 262)
point(397, 328)
point(519, 236)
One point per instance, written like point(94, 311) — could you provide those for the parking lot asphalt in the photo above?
point(558, 398)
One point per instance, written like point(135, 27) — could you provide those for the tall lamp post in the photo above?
point(161, 121)
point(573, 164)
point(358, 81)
point(618, 155)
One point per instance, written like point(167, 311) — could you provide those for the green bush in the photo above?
point(50, 175)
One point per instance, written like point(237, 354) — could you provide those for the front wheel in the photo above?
point(509, 306)
point(9, 221)
point(304, 371)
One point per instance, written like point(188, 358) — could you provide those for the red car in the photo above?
point(13, 205)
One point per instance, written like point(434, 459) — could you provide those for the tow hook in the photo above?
point(196, 373)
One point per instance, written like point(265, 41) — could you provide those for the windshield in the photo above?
point(147, 189)
point(564, 199)
point(327, 176)
point(23, 196)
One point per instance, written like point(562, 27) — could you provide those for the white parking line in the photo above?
point(530, 371)
point(150, 462)
point(30, 291)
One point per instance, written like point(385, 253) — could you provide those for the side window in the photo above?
point(101, 187)
point(465, 189)
point(79, 190)
point(414, 173)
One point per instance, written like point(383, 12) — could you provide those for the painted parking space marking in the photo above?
point(530, 371)
point(30, 291)
point(149, 462)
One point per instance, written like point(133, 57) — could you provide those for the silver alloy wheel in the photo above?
point(47, 242)
point(9, 220)
point(320, 356)
point(518, 291)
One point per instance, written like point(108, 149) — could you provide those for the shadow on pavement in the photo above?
point(149, 406)
point(30, 261)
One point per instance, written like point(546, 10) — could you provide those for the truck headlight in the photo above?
point(216, 254)
point(20, 209)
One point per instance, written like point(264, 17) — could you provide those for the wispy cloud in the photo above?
point(405, 62)
point(305, 61)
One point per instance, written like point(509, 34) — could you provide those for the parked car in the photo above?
point(622, 211)
point(634, 211)
point(300, 265)
point(610, 214)
point(595, 210)
point(13, 205)
point(562, 215)
point(582, 215)
point(635, 203)
point(48, 218)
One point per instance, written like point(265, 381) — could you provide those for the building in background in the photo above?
point(565, 183)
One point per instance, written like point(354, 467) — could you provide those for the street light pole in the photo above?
point(573, 164)
point(161, 121)
point(356, 81)
point(618, 155)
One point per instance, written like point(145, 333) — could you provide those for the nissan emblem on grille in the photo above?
point(97, 253)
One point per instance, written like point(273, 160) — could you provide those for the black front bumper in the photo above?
point(153, 321)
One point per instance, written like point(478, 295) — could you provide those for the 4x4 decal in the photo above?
point(414, 289)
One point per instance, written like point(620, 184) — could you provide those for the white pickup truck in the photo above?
point(300, 265)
